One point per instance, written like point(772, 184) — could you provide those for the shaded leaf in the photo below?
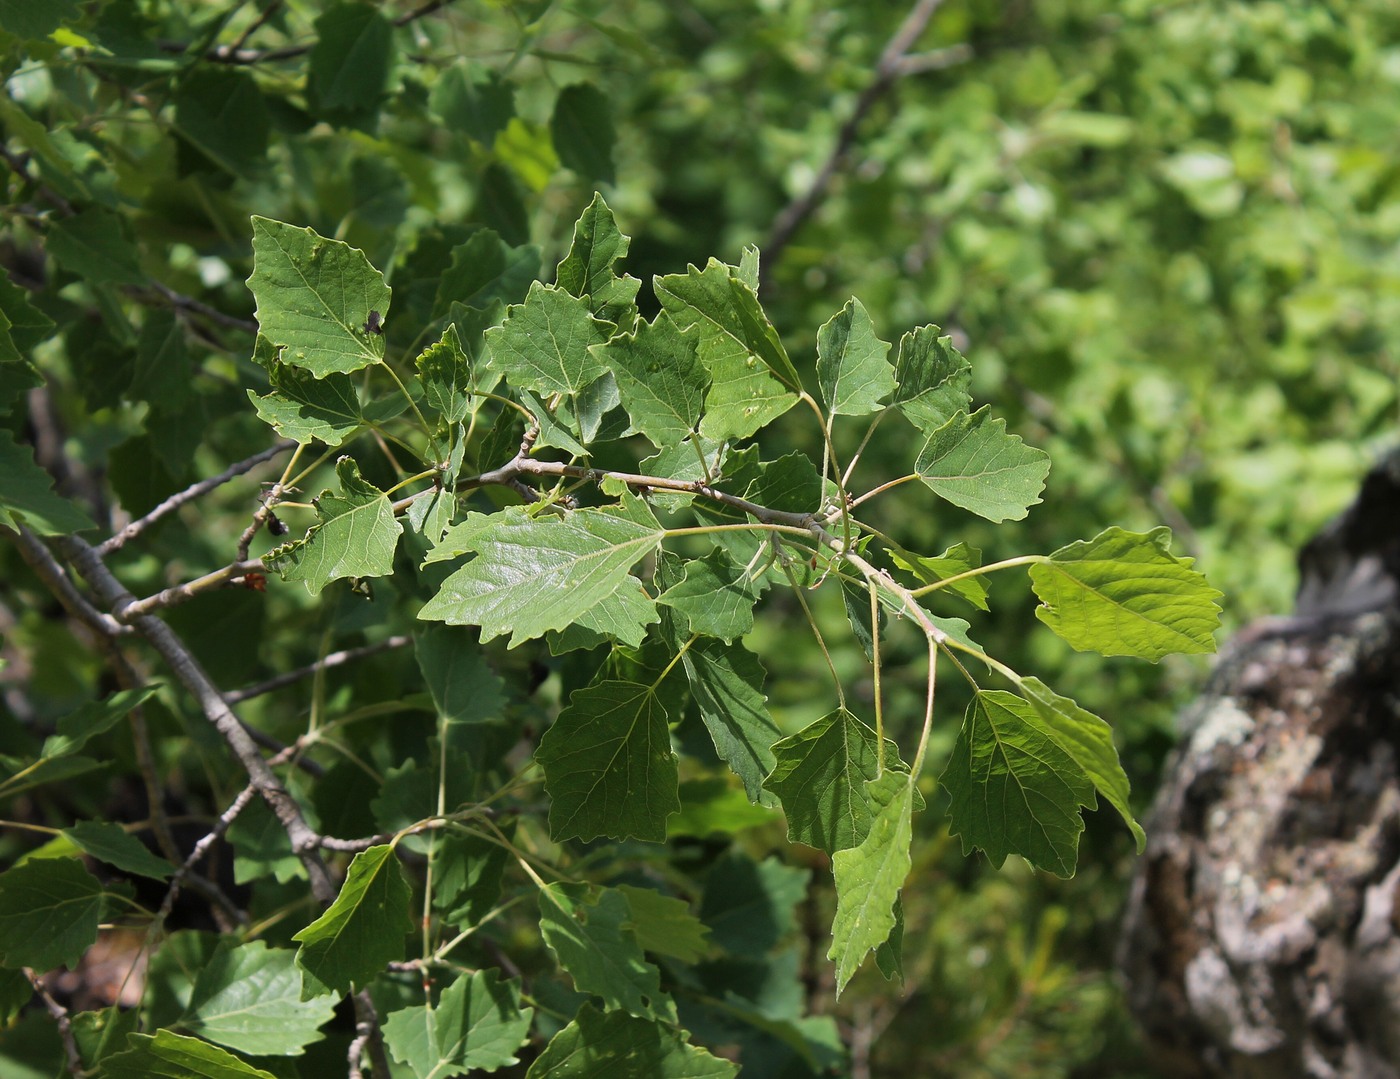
point(1089, 740)
point(934, 379)
point(1013, 789)
point(660, 378)
point(49, 909)
point(111, 843)
point(310, 409)
point(715, 599)
point(582, 131)
point(77, 728)
point(477, 1025)
point(615, 1045)
point(821, 774)
point(1125, 594)
point(664, 925)
point(608, 765)
point(486, 270)
point(349, 64)
point(972, 462)
point(750, 906)
point(446, 376)
point(588, 930)
point(222, 113)
point(726, 683)
point(362, 931)
point(957, 559)
point(752, 379)
point(96, 246)
point(476, 102)
point(27, 496)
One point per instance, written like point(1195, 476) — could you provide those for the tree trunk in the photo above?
point(1263, 933)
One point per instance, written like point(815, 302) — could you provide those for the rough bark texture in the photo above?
point(1263, 936)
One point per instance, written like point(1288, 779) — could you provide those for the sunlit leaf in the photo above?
point(665, 925)
point(173, 1056)
point(543, 345)
point(355, 537)
point(315, 297)
point(869, 876)
point(852, 371)
point(310, 409)
point(249, 999)
point(532, 575)
point(660, 378)
point(615, 1045)
point(934, 379)
point(974, 463)
point(1125, 594)
point(715, 599)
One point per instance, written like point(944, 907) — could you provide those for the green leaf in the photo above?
point(174, 1056)
point(356, 535)
point(791, 483)
point(1089, 740)
point(27, 496)
point(484, 270)
point(476, 102)
point(934, 379)
point(726, 683)
point(533, 575)
point(869, 876)
point(101, 1034)
point(314, 298)
point(852, 372)
point(310, 409)
point(615, 1045)
point(665, 926)
point(588, 930)
point(889, 956)
point(468, 877)
point(446, 376)
point(543, 345)
point(582, 132)
point(261, 848)
point(29, 20)
point(821, 775)
point(1013, 788)
point(957, 559)
point(608, 765)
point(77, 728)
point(972, 462)
point(660, 378)
point(363, 930)
point(1125, 594)
point(96, 246)
point(222, 114)
point(49, 909)
point(349, 64)
point(477, 1025)
point(464, 688)
point(589, 269)
point(25, 774)
point(855, 597)
point(28, 326)
point(750, 906)
point(752, 380)
point(249, 999)
point(716, 598)
point(111, 843)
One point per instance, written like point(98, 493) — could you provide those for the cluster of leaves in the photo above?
point(577, 370)
point(567, 511)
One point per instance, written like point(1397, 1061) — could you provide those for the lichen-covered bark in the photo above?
point(1263, 935)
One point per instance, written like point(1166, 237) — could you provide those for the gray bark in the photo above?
point(1263, 934)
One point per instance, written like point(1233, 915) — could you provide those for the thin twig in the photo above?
point(332, 659)
point(226, 819)
point(175, 501)
point(181, 593)
point(204, 310)
point(887, 70)
point(305, 841)
point(368, 1038)
point(60, 1017)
